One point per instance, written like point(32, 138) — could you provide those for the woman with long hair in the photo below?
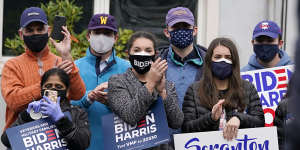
point(131, 94)
point(221, 100)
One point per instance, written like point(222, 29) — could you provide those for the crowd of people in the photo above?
point(201, 89)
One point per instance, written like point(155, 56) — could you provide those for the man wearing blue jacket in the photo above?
point(267, 44)
point(184, 57)
point(96, 68)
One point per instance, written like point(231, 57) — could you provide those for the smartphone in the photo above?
point(56, 34)
point(52, 95)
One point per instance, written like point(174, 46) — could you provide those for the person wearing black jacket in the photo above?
point(184, 57)
point(280, 121)
point(284, 117)
point(221, 100)
point(75, 130)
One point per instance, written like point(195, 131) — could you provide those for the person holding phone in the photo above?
point(21, 75)
point(59, 22)
point(96, 67)
point(221, 100)
point(74, 129)
point(132, 93)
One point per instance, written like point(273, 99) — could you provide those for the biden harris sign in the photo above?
point(271, 85)
point(152, 130)
point(36, 135)
point(248, 139)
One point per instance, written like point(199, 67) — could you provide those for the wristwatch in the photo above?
point(89, 101)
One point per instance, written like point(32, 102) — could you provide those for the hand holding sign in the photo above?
point(217, 110)
point(231, 128)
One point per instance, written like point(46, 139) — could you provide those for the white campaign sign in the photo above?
point(264, 138)
point(271, 85)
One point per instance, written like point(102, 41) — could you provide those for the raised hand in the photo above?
point(217, 110)
point(51, 109)
point(64, 47)
point(66, 65)
point(161, 87)
point(155, 74)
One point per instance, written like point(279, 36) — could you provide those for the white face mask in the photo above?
point(142, 53)
point(225, 60)
point(101, 43)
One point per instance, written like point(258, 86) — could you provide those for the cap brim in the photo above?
point(269, 34)
point(102, 27)
point(34, 20)
point(190, 22)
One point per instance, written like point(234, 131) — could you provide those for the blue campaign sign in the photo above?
point(152, 130)
point(41, 134)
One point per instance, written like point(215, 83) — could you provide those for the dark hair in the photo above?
point(63, 76)
point(263, 38)
point(208, 91)
point(141, 34)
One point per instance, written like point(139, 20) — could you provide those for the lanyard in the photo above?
point(222, 120)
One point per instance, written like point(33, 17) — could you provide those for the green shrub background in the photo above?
point(73, 14)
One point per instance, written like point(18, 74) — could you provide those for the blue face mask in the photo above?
point(181, 38)
point(221, 70)
point(265, 52)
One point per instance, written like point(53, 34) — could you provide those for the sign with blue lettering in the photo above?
point(41, 134)
point(152, 130)
point(271, 85)
point(248, 139)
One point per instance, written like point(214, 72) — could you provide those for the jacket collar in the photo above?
point(112, 57)
point(44, 53)
point(197, 61)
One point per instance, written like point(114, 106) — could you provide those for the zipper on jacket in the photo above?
point(40, 64)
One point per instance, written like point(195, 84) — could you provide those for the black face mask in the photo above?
point(265, 52)
point(141, 63)
point(60, 93)
point(36, 42)
point(221, 70)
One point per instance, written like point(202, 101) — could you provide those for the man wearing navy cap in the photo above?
point(185, 59)
point(96, 67)
point(267, 44)
point(21, 75)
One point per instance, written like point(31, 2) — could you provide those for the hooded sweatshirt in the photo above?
point(254, 65)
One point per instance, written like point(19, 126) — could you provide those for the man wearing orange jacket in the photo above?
point(21, 76)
